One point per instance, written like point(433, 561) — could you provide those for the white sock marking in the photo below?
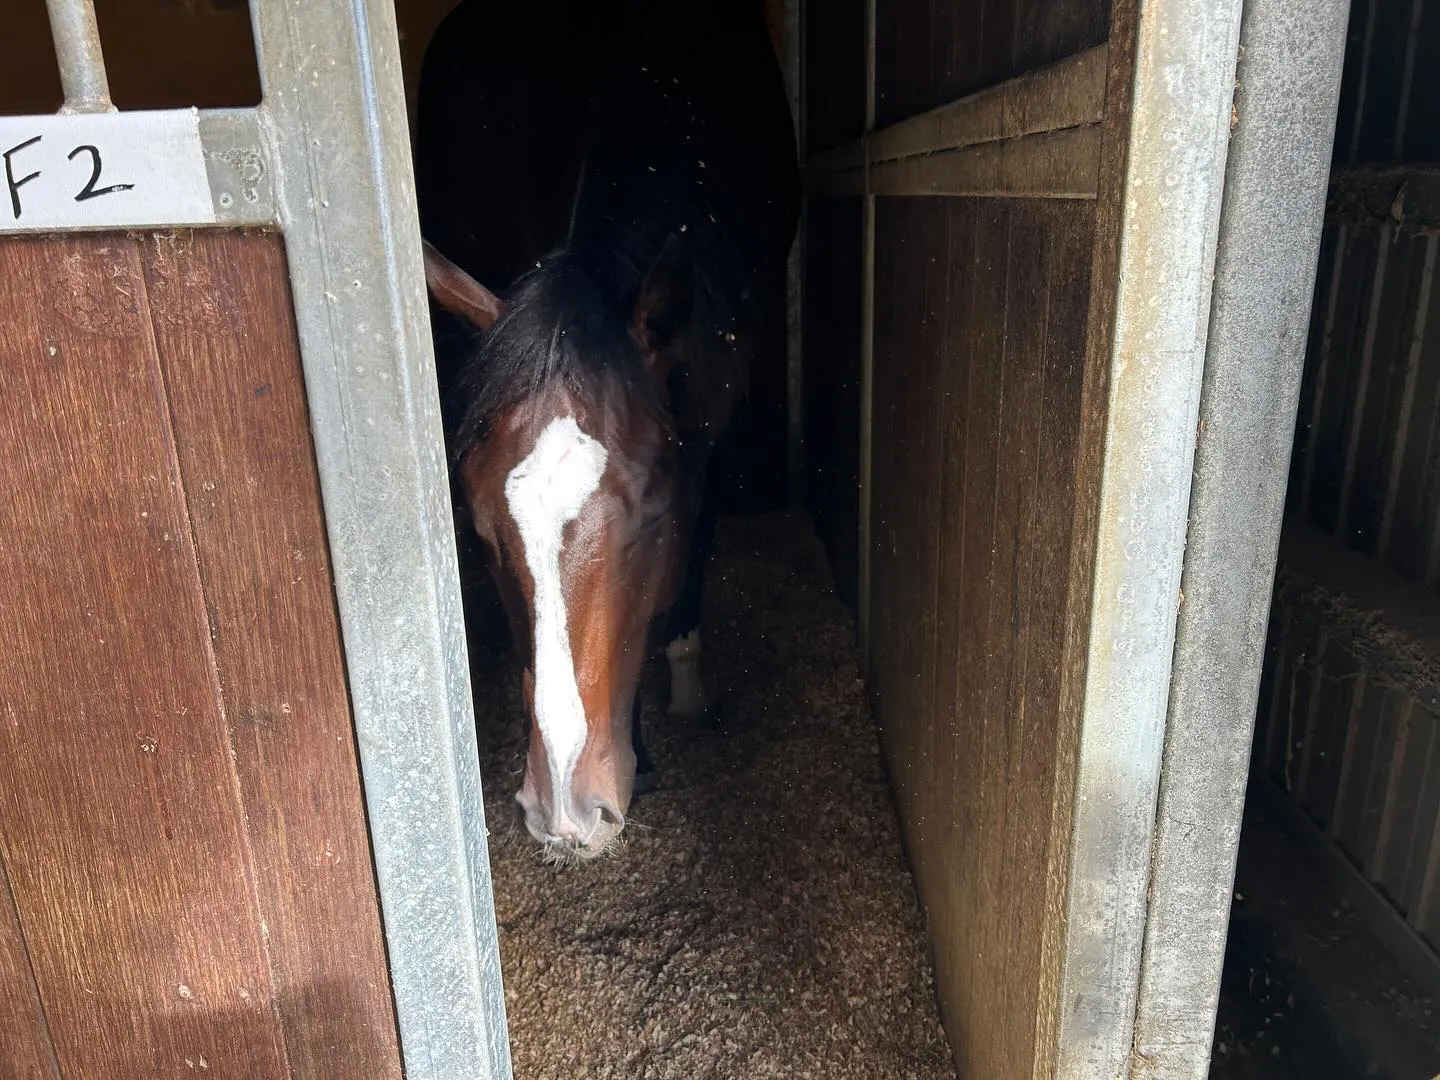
point(687, 692)
point(544, 493)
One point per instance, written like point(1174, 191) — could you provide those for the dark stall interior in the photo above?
point(1334, 929)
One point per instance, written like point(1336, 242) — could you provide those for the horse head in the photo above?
point(570, 465)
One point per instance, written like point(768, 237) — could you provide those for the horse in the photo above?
point(608, 194)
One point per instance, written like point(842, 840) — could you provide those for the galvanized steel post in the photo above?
point(1288, 87)
point(78, 54)
point(335, 109)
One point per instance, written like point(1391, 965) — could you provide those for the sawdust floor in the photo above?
point(761, 921)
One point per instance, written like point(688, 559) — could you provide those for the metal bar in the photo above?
point(1291, 53)
point(1362, 389)
point(1407, 399)
point(1354, 720)
point(336, 106)
point(1379, 869)
point(79, 56)
point(1163, 214)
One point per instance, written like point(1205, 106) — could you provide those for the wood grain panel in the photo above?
point(119, 812)
point(976, 431)
point(227, 344)
point(1014, 861)
point(181, 816)
point(946, 923)
point(27, 1052)
point(900, 366)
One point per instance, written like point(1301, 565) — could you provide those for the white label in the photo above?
point(103, 170)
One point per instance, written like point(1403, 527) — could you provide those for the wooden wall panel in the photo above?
point(911, 260)
point(929, 54)
point(227, 344)
point(27, 1051)
point(118, 806)
point(190, 873)
point(980, 326)
point(831, 398)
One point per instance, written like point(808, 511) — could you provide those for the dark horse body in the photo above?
point(623, 174)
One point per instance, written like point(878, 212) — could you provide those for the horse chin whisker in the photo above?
point(562, 856)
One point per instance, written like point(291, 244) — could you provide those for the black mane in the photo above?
point(570, 319)
point(595, 130)
point(560, 323)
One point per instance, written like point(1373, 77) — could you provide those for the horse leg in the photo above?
point(687, 691)
point(646, 779)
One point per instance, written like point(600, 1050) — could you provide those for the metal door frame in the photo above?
point(325, 158)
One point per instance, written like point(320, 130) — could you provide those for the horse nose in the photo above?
point(569, 832)
point(601, 810)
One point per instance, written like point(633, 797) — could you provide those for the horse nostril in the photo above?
point(610, 815)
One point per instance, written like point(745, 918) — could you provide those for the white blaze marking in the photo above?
point(544, 493)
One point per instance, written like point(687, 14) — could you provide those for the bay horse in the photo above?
point(608, 192)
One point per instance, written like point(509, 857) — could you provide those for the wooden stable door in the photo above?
point(1014, 468)
point(185, 873)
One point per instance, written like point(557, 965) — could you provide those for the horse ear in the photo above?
point(666, 297)
point(458, 293)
